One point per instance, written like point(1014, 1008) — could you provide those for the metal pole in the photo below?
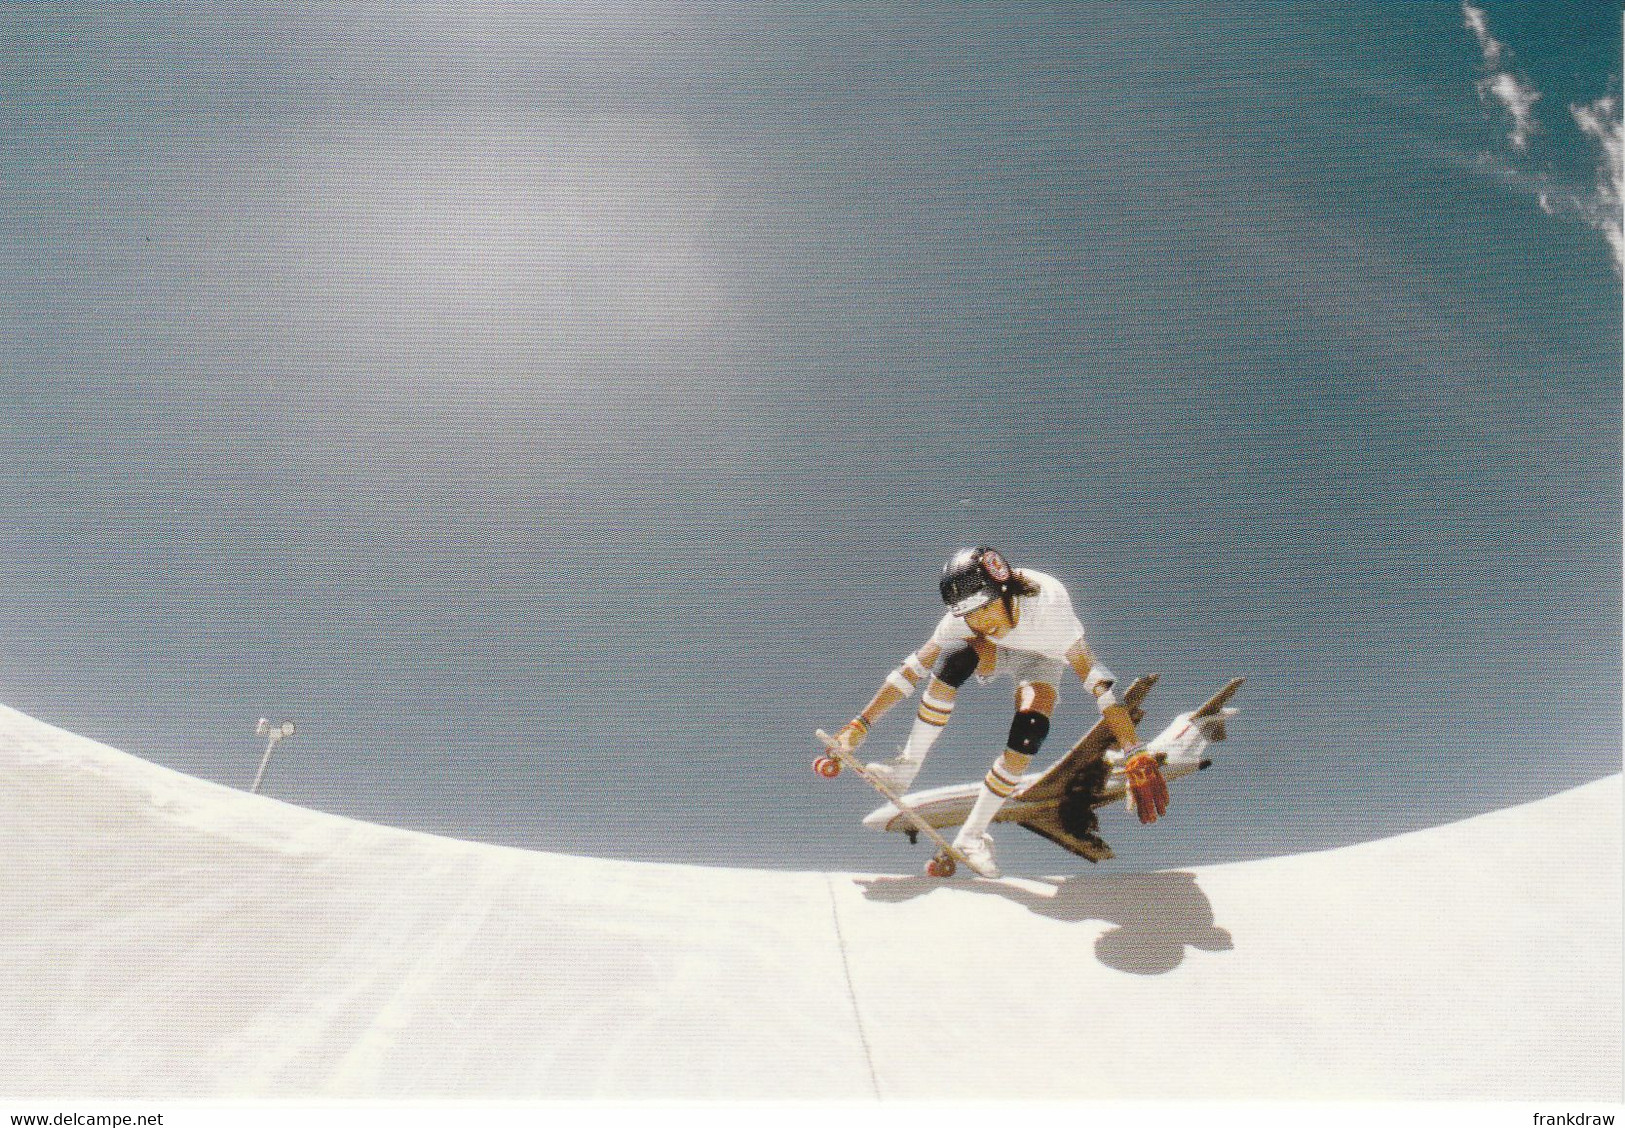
point(277, 732)
point(270, 746)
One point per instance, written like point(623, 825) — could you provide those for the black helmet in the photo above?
point(974, 578)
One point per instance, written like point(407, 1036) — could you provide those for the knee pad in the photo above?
point(959, 666)
point(1027, 732)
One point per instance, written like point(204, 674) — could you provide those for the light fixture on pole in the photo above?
point(276, 733)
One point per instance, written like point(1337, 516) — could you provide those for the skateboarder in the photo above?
point(1002, 621)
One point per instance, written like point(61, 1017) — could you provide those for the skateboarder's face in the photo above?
point(991, 620)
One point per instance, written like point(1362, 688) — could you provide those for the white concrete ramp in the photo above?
point(163, 937)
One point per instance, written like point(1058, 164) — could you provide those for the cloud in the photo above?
point(1519, 101)
point(1479, 25)
point(1517, 97)
point(1601, 122)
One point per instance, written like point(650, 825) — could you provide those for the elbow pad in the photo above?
point(906, 677)
point(899, 681)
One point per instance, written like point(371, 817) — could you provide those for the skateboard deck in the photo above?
point(946, 860)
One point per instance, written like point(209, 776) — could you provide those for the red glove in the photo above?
point(1148, 791)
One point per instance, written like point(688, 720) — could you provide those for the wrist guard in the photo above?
point(1100, 681)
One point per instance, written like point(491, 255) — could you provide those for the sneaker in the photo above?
point(978, 853)
point(896, 773)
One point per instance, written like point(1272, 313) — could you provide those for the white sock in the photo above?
point(920, 739)
point(996, 788)
point(928, 725)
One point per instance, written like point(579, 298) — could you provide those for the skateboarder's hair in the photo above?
point(1017, 585)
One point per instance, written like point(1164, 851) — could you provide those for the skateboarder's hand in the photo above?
point(853, 734)
point(1148, 791)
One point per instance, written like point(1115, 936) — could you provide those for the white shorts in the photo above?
point(1024, 666)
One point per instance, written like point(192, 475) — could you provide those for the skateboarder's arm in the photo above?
point(1147, 789)
point(899, 684)
point(1099, 681)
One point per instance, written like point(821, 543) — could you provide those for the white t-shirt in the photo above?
point(1047, 624)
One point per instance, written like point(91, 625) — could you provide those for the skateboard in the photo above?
point(946, 859)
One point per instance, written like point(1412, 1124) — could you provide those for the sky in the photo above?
point(561, 410)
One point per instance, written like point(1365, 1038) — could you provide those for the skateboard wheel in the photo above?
point(941, 866)
point(827, 766)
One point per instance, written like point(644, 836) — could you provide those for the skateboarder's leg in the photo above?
point(936, 707)
point(1035, 702)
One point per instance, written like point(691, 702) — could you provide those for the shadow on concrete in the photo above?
point(1156, 916)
